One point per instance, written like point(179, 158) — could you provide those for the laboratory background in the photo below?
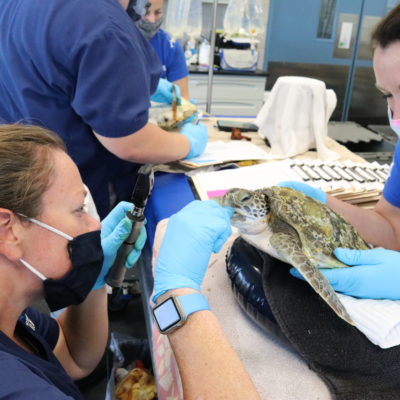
point(327, 40)
point(275, 97)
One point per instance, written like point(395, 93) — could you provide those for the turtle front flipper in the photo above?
point(288, 245)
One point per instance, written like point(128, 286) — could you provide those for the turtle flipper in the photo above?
point(289, 247)
point(325, 261)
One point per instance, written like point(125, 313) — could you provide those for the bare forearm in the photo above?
point(373, 225)
point(85, 329)
point(151, 144)
point(208, 365)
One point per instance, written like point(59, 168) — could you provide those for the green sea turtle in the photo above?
point(302, 231)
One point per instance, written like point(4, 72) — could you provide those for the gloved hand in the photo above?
point(192, 234)
point(308, 190)
point(198, 137)
point(115, 228)
point(374, 274)
point(163, 93)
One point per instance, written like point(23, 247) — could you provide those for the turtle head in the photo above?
point(251, 209)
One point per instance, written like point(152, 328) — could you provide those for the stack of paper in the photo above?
point(220, 152)
point(357, 183)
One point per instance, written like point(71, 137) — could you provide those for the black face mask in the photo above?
point(86, 256)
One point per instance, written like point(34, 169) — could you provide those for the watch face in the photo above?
point(166, 315)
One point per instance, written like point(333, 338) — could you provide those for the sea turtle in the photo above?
point(303, 232)
point(166, 118)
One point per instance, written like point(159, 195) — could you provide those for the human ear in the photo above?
point(10, 235)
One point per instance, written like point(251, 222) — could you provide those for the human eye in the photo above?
point(82, 209)
point(386, 95)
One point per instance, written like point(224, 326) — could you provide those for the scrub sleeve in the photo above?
point(171, 55)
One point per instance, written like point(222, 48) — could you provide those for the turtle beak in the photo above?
point(238, 211)
point(242, 216)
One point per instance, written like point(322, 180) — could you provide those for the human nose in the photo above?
point(93, 224)
point(151, 18)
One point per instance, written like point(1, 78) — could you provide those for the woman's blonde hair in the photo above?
point(26, 166)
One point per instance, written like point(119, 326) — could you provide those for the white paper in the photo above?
point(220, 151)
point(211, 184)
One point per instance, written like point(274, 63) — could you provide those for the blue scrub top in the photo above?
point(37, 376)
point(171, 55)
point(75, 67)
point(391, 191)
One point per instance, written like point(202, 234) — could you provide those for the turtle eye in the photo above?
point(244, 198)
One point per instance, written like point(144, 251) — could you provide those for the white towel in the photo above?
point(378, 320)
point(295, 117)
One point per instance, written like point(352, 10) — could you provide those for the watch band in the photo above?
point(173, 312)
point(193, 302)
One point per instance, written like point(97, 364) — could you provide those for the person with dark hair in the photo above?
point(82, 69)
point(169, 51)
point(375, 273)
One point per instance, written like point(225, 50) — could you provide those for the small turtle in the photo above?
point(302, 231)
point(167, 117)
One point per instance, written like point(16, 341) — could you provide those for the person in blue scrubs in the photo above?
point(83, 70)
point(169, 51)
point(51, 249)
point(375, 273)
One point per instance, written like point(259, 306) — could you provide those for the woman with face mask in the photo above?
point(376, 272)
point(52, 249)
point(169, 51)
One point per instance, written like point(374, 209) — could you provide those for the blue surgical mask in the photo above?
point(86, 256)
point(394, 123)
point(147, 28)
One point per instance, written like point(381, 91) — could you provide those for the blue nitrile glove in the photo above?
point(374, 274)
point(115, 228)
point(163, 93)
point(308, 190)
point(198, 137)
point(192, 234)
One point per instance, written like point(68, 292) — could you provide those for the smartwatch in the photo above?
point(174, 311)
